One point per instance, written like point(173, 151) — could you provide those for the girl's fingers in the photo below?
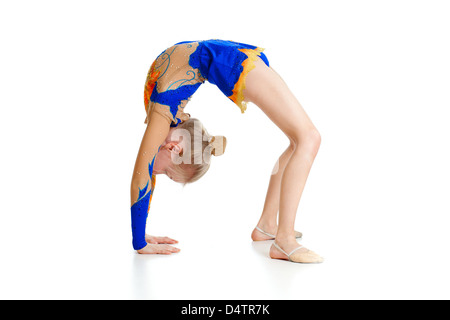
point(166, 249)
point(158, 249)
point(160, 240)
point(169, 240)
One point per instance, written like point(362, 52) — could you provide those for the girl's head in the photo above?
point(186, 153)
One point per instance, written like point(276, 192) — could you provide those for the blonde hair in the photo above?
point(197, 162)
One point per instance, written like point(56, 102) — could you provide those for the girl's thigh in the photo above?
point(266, 89)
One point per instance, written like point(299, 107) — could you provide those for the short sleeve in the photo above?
point(162, 110)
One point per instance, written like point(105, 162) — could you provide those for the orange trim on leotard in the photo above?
point(153, 189)
point(152, 77)
point(249, 65)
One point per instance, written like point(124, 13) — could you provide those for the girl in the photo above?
point(242, 72)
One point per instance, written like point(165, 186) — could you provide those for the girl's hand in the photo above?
point(158, 249)
point(159, 240)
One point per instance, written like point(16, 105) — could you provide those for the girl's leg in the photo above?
point(269, 217)
point(267, 90)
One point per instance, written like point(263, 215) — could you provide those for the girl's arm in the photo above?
point(142, 183)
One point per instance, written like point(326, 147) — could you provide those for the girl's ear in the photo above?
point(174, 147)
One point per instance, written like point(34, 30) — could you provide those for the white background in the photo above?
point(374, 76)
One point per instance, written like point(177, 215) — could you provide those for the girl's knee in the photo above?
point(309, 139)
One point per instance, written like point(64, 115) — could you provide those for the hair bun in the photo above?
point(218, 145)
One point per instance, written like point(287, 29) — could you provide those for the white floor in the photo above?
point(218, 261)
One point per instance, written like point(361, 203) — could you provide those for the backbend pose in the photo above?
point(242, 72)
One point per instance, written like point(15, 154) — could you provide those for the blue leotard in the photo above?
point(179, 71)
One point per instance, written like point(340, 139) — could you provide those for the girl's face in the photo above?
point(163, 162)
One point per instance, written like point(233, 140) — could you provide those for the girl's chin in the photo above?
point(157, 169)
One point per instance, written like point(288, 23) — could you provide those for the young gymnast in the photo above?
point(180, 147)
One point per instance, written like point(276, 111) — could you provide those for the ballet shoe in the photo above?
point(294, 256)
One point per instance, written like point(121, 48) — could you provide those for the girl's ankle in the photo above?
point(285, 237)
point(267, 225)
